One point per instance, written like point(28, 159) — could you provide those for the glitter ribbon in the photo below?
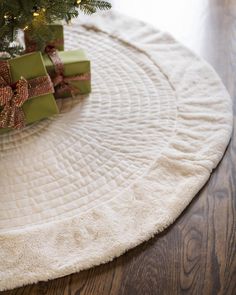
point(14, 95)
point(31, 46)
point(61, 83)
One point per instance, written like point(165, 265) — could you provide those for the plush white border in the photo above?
point(204, 114)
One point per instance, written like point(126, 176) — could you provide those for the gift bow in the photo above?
point(61, 82)
point(12, 115)
point(31, 46)
point(13, 96)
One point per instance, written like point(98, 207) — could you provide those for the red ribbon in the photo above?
point(13, 96)
point(31, 46)
point(61, 83)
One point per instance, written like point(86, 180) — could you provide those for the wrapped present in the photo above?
point(69, 71)
point(26, 92)
point(56, 39)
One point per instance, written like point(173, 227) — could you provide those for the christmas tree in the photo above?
point(35, 15)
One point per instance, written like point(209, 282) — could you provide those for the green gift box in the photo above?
point(75, 64)
point(35, 108)
point(55, 38)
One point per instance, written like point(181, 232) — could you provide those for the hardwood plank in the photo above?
point(196, 255)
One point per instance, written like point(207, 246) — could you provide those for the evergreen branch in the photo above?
point(87, 8)
point(35, 15)
point(91, 6)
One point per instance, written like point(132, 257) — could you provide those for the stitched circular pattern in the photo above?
point(116, 166)
point(97, 147)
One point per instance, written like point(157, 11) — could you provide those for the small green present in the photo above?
point(26, 92)
point(55, 38)
point(69, 71)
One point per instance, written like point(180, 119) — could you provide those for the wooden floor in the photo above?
point(197, 255)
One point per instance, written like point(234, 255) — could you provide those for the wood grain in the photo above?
point(196, 255)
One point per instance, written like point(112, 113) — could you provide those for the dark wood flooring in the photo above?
point(197, 254)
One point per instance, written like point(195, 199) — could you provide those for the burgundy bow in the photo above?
point(31, 45)
point(13, 96)
point(61, 83)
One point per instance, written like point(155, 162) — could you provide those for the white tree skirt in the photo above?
point(116, 167)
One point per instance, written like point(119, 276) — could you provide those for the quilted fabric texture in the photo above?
point(114, 168)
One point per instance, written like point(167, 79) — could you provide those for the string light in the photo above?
point(78, 1)
point(8, 16)
point(37, 12)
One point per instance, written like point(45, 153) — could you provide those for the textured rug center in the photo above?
point(97, 147)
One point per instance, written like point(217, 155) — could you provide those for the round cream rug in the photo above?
point(116, 167)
